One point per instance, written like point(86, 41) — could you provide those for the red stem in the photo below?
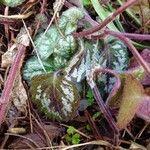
point(134, 36)
point(107, 20)
point(6, 93)
point(99, 100)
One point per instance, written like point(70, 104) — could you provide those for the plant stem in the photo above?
point(100, 102)
point(134, 36)
point(6, 93)
point(107, 20)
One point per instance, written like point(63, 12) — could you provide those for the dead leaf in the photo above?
point(144, 109)
point(8, 56)
point(19, 95)
point(35, 140)
point(29, 141)
point(147, 91)
point(128, 99)
point(145, 54)
point(148, 145)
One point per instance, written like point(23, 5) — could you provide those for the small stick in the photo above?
point(91, 122)
point(6, 26)
point(17, 17)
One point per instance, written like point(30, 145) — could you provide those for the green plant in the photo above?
point(71, 136)
point(90, 97)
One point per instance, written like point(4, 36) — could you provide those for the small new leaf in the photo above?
point(71, 130)
point(76, 138)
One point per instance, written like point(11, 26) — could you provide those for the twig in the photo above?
point(34, 46)
point(23, 42)
point(107, 20)
point(57, 8)
point(47, 138)
point(91, 122)
point(41, 12)
point(20, 16)
point(6, 26)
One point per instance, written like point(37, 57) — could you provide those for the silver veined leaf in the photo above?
point(33, 68)
point(55, 96)
point(69, 19)
point(116, 56)
point(58, 39)
point(56, 46)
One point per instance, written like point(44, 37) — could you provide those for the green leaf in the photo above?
point(90, 97)
point(103, 14)
point(117, 55)
point(58, 39)
point(76, 139)
point(56, 46)
point(68, 138)
point(96, 115)
point(69, 19)
point(55, 96)
point(71, 130)
point(12, 3)
point(86, 2)
point(88, 57)
point(33, 68)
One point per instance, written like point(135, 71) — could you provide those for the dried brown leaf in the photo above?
point(35, 140)
point(145, 54)
point(19, 95)
point(29, 141)
point(130, 100)
point(144, 109)
point(8, 56)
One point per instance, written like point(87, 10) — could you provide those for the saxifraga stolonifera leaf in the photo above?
point(55, 96)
